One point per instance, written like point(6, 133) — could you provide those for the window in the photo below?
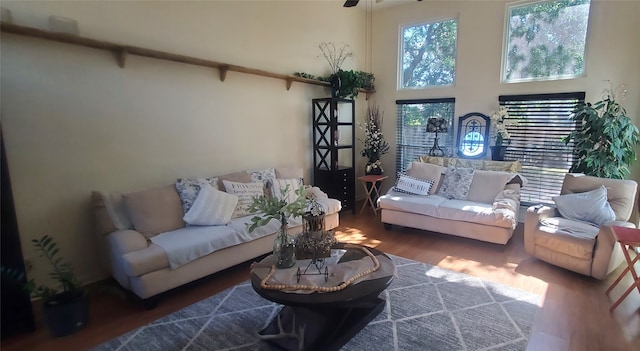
point(428, 54)
point(413, 140)
point(545, 40)
point(536, 140)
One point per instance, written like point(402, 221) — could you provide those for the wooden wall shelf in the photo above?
point(120, 52)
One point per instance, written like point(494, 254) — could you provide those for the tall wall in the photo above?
point(73, 121)
point(612, 54)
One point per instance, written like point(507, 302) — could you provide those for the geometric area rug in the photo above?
point(428, 308)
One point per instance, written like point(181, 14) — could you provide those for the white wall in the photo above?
point(73, 121)
point(612, 53)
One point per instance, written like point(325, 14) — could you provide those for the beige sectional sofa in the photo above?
point(487, 210)
point(133, 230)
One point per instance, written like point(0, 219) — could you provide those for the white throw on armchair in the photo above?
point(567, 236)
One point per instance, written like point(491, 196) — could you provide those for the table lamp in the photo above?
point(436, 125)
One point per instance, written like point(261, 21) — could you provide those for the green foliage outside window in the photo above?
point(546, 40)
point(429, 54)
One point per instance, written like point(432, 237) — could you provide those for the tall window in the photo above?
point(428, 54)
point(413, 140)
point(536, 140)
point(545, 40)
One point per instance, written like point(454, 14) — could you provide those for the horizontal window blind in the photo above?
point(412, 138)
point(536, 141)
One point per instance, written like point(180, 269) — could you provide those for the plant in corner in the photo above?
point(604, 139)
point(280, 209)
point(65, 308)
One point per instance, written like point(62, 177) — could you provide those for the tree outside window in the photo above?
point(545, 40)
point(428, 54)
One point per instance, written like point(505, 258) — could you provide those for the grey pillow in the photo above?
point(591, 206)
point(456, 183)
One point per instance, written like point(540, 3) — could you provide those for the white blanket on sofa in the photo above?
point(192, 242)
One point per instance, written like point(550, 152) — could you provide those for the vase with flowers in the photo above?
point(278, 208)
point(373, 142)
point(500, 120)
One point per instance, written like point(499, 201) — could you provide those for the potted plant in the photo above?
point(344, 84)
point(499, 122)
point(65, 309)
point(281, 210)
point(605, 139)
point(374, 144)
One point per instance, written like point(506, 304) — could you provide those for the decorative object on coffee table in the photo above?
point(314, 242)
point(325, 316)
point(278, 208)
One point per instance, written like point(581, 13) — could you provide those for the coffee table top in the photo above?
point(364, 289)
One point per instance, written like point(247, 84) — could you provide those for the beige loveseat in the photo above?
point(133, 229)
point(574, 244)
point(487, 212)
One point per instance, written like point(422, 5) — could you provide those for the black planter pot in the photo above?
point(334, 81)
point(66, 317)
point(498, 152)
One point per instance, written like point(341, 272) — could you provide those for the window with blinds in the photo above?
point(536, 140)
point(412, 139)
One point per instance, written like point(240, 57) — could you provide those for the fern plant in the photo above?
point(69, 286)
point(605, 140)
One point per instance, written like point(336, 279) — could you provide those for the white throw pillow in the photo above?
point(211, 207)
point(411, 185)
point(245, 193)
point(188, 189)
point(280, 184)
point(456, 183)
point(591, 206)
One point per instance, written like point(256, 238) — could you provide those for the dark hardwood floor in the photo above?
point(574, 316)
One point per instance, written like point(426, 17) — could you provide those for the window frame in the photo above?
point(505, 47)
point(400, 71)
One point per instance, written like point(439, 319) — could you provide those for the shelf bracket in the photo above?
point(223, 72)
point(289, 82)
point(121, 56)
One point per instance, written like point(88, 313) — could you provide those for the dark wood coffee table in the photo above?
point(326, 321)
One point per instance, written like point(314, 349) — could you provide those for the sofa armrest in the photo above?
point(121, 242)
point(532, 218)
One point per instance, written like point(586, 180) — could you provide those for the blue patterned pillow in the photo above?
point(456, 183)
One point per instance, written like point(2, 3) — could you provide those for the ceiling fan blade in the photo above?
point(350, 3)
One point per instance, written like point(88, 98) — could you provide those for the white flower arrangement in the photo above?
point(500, 120)
point(374, 143)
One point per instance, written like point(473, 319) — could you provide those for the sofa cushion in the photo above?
point(486, 185)
point(425, 205)
point(154, 210)
point(477, 212)
point(291, 185)
point(590, 206)
point(550, 237)
point(211, 207)
point(456, 183)
point(240, 177)
point(427, 171)
point(245, 193)
point(411, 185)
point(188, 189)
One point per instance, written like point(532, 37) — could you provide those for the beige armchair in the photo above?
point(589, 250)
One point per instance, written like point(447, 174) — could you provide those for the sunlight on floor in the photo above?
point(355, 236)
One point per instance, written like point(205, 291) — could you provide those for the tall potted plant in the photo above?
point(499, 123)
point(374, 144)
point(605, 139)
point(65, 309)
